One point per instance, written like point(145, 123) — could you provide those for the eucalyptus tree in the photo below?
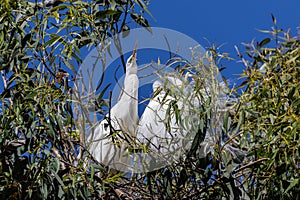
point(255, 150)
point(269, 112)
point(41, 45)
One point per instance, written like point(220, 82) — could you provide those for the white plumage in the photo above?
point(123, 116)
point(167, 134)
point(126, 109)
point(164, 142)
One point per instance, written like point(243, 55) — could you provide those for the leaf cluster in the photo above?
point(42, 155)
point(270, 110)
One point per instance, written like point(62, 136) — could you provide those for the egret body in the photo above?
point(123, 116)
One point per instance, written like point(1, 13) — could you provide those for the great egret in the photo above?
point(167, 144)
point(166, 132)
point(151, 125)
point(158, 125)
point(123, 116)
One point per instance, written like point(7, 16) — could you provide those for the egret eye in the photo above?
point(106, 125)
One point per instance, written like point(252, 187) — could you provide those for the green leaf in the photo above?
point(183, 177)
point(125, 31)
point(263, 43)
point(57, 178)
point(102, 14)
point(143, 5)
point(26, 39)
point(274, 19)
point(92, 173)
point(68, 64)
point(31, 95)
point(141, 21)
point(60, 7)
point(296, 103)
point(292, 184)
point(98, 167)
point(199, 137)
point(53, 39)
point(60, 192)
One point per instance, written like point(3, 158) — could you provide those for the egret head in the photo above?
point(157, 85)
point(174, 81)
point(131, 66)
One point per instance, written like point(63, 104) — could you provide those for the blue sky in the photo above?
point(225, 23)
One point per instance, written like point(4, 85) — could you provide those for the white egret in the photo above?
point(169, 143)
point(166, 132)
point(158, 125)
point(151, 125)
point(126, 109)
point(123, 116)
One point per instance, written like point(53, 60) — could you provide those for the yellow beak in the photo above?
point(134, 50)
